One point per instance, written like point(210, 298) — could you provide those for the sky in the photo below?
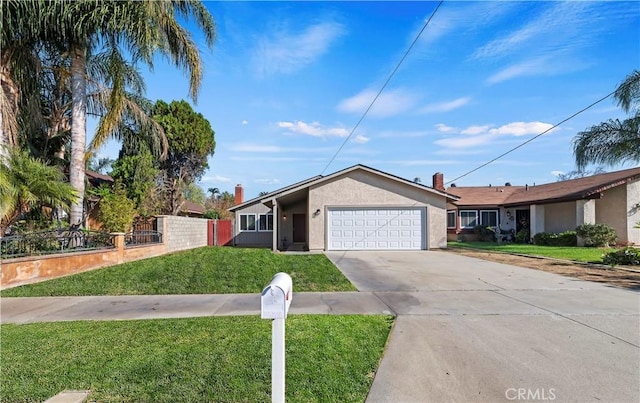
point(286, 83)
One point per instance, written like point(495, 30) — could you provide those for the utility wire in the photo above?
point(531, 139)
point(383, 87)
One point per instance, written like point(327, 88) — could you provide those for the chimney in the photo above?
point(438, 181)
point(239, 194)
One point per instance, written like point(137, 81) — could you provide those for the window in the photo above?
point(265, 222)
point(451, 219)
point(247, 222)
point(468, 218)
point(489, 218)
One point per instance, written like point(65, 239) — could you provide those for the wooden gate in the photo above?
point(220, 233)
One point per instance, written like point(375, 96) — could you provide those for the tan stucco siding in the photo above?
point(633, 212)
point(560, 217)
point(363, 189)
point(610, 210)
point(252, 238)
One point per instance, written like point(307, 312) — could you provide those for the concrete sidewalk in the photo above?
point(53, 309)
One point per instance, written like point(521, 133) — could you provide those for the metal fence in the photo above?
point(50, 242)
point(137, 238)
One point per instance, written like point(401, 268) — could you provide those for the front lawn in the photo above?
point(208, 270)
point(581, 254)
point(221, 359)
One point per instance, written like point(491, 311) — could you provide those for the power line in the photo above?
point(383, 87)
point(531, 139)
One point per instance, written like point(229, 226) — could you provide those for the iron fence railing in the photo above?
point(137, 238)
point(56, 241)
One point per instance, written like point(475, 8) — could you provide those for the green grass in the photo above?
point(208, 270)
point(580, 254)
point(222, 359)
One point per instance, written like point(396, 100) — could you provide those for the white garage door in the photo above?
point(376, 228)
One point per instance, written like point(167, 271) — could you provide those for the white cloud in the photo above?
point(445, 106)
point(557, 173)
point(216, 179)
point(474, 136)
point(473, 130)
point(245, 122)
point(389, 103)
point(360, 139)
point(444, 128)
point(527, 68)
point(314, 129)
point(286, 52)
point(521, 128)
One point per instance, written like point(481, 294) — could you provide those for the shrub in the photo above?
point(566, 238)
point(597, 234)
point(116, 210)
point(626, 256)
point(485, 234)
point(522, 236)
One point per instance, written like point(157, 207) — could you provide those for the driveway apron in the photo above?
point(473, 330)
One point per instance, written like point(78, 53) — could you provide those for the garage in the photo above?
point(376, 228)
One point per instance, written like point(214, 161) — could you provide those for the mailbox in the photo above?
point(276, 297)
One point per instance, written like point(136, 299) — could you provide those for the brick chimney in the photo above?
point(438, 181)
point(239, 194)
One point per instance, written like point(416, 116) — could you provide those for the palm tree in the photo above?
point(144, 28)
point(26, 182)
point(614, 141)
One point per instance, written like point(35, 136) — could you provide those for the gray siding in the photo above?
point(252, 238)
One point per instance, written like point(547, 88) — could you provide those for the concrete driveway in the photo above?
point(472, 330)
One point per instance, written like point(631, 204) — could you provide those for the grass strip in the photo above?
point(208, 270)
point(222, 359)
point(580, 254)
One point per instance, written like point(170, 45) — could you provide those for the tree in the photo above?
point(26, 182)
point(194, 193)
point(191, 142)
point(144, 28)
point(578, 174)
point(614, 141)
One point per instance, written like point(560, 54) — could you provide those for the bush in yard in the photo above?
point(522, 236)
point(566, 238)
point(116, 209)
point(628, 256)
point(597, 234)
point(485, 234)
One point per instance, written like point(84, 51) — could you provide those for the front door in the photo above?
point(522, 220)
point(299, 228)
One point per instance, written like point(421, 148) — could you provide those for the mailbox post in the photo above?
point(274, 304)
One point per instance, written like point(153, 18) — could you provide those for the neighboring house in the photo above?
point(191, 209)
point(358, 208)
point(611, 198)
point(91, 205)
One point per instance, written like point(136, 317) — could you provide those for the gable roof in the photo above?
point(266, 199)
point(192, 208)
point(271, 194)
point(569, 190)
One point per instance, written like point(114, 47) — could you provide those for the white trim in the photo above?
point(255, 222)
point(496, 212)
point(475, 213)
point(267, 222)
point(455, 219)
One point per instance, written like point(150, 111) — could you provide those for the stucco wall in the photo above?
point(286, 225)
point(363, 189)
point(180, 233)
point(560, 217)
point(633, 212)
point(610, 211)
point(252, 238)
